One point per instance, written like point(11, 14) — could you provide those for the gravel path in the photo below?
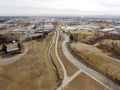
point(69, 79)
point(9, 59)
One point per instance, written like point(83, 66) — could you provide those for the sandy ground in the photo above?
point(84, 82)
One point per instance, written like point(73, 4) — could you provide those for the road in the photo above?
point(66, 79)
point(93, 74)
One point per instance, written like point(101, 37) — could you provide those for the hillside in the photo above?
point(31, 72)
point(96, 59)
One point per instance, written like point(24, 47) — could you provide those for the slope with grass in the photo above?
point(32, 72)
point(97, 60)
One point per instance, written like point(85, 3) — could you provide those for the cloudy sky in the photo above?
point(59, 7)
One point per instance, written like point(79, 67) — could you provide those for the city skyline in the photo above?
point(59, 7)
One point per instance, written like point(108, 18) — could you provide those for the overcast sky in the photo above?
point(59, 7)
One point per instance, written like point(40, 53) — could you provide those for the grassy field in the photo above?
point(98, 60)
point(84, 82)
point(71, 69)
point(31, 72)
point(82, 32)
point(84, 36)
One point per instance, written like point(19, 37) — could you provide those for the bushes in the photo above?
point(71, 37)
point(110, 46)
point(106, 36)
point(20, 46)
point(4, 48)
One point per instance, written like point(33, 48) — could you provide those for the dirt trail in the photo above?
point(69, 79)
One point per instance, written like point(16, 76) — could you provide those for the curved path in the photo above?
point(93, 74)
point(52, 62)
point(69, 79)
point(66, 79)
point(56, 52)
point(9, 59)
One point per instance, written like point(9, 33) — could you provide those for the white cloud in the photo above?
point(56, 7)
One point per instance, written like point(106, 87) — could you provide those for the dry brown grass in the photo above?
point(82, 32)
point(56, 62)
point(111, 46)
point(32, 72)
point(98, 60)
point(70, 68)
point(84, 36)
point(84, 82)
